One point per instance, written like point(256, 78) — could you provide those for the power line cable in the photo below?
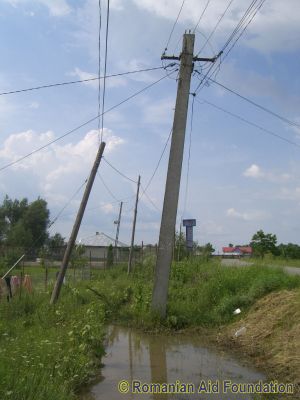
point(267, 110)
point(105, 67)
point(66, 205)
point(84, 124)
point(250, 9)
point(189, 158)
point(245, 27)
point(149, 198)
point(172, 30)
point(99, 66)
point(269, 132)
point(82, 80)
point(107, 188)
point(118, 171)
point(215, 28)
point(159, 160)
point(203, 12)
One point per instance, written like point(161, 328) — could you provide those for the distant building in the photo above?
point(96, 246)
point(237, 251)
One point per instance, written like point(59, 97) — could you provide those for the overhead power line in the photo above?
point(172, 30)
point(159, 160)
point(84, 124)
point(267, 110)
point(189, 158)
point(268, 131)
point(99, 65)
point(118, 171)
point(66, 205)
point(249, 14)
point(150, 200)
point(105, 67)
point(107, 188)
point(215, 28)
point(203, 12)
point(82, 80)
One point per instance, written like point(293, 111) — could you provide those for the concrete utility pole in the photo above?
point(118, 224)
point(133, 226)
point(118, 230)
point(85, 197)
point(168, 221)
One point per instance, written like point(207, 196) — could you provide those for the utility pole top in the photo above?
point(178, 58)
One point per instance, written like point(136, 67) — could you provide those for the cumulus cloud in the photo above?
point(108, 208)
point(55, 168)
point(247, 216)
point(276, 27)
point(255, 172)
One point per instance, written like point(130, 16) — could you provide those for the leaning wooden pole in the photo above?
point(133, 226)
point(65, 262)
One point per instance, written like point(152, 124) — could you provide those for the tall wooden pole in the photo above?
point(133, 226)
point(85, 197)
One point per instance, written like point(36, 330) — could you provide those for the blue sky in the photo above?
point(241, 179)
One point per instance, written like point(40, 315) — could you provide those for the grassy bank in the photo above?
point(49, 352)
point(200, 294)
point(272, 336)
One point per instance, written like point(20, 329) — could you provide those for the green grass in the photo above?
point(48, 353)
point(200, 293)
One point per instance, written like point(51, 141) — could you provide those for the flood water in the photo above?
point(136, 356)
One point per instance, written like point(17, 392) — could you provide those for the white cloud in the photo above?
point(108, 208)
point(276, 27)
point(255, 215)
point(116, 81)
point(211, 228)
point(159, 112)
point(57, 8)
point(255, 172)
point(289, 193)
point(54, 169)
point(35, 105)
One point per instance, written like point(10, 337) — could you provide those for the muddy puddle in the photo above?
point(142, 359)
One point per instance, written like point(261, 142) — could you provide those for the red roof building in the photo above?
point(237, 251)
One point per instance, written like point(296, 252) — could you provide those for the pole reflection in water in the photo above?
point(135, 356)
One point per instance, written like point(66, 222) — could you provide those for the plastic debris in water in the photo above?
point(240, 332)
point(237, 311)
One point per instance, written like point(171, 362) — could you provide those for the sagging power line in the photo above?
point(83, 125)
point(81, 80)
point(261, 128)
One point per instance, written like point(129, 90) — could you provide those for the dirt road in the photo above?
point(227, 262)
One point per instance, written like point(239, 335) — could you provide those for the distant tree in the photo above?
point(230, 245)
point(110, 256)
point(206, 250)
point(23, 224)
point(289, 250)
point(55, 241)
point(263, 243)
point(180, 250)
point(36, 219)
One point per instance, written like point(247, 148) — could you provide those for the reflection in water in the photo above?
point(132, 355)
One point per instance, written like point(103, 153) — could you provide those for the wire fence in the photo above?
point(39, 268)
